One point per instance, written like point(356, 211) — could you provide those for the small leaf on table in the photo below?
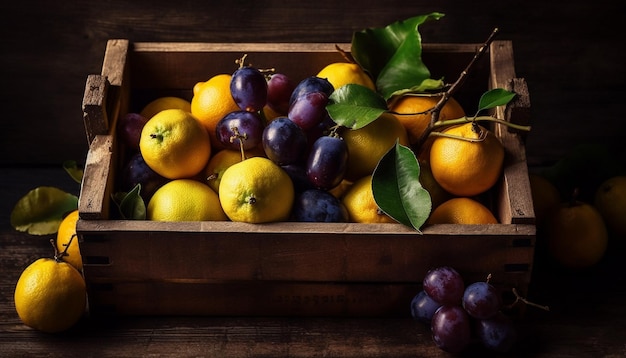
point(42, 209)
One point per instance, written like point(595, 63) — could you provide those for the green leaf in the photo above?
point(355, 106)
point(73, 170)
point(427, 85)
point(42, 209)
point(131, 206)
point(397, 189)
point(495, 97)
point(393, 54)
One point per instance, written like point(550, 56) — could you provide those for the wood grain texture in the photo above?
point(564, 51)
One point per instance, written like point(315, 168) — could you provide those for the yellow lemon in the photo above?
point(463, 167)
point(360, 204)
point(414, 113)
point(211, 101)
point(340, 74)
point(163, 103)
point(185, 200)
point(461, 211)
point(174, 144)
point(50, 295)
point(224, 159)
point(610, 200)
point(576, 235)
point(256, 190)
point(67, 232)
point(368, 144)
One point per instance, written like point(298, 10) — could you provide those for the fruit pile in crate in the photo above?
point(302, 179)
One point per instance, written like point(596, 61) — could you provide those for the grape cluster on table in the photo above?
point(457, 314)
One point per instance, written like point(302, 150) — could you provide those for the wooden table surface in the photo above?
point(587, 316)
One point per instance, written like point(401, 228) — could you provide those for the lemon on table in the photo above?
point(610, 200)
point(256, 190)
point(545, 196)
point(360, 204)
point(368, 144)
point(185, 200)
point(413, 113)
point(163, 103)
point(461, 211)
point(211, 101)
point(340, 74)
point(50, 295)
point(174, 144)
point(576, 235)
point(67, 234)
point(463, 167)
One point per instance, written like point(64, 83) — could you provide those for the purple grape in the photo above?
point(481, 300)
point(423, 307)
point(129, 129)
point(239, 125)
point(309, 110)
point(279, 90)
point(497, 333)
point(249, 89)
point(297, 173)
point(316, 205)
point(326, 165)
point(451, 329)
point(309, 85)
point(284, 142)
point(445, 285)
point(136, 171)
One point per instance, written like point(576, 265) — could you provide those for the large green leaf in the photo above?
point(355, 106)
point(397, 189)
point(42, 209)
point(393, 54)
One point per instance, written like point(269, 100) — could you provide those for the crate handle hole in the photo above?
point(97, 260)
point(522, 243)
point(516, 267)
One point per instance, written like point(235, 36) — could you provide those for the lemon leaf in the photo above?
point(42, 209)
point(131, 206)
point(393, 54)
point(355, 106)
point(495, 97)
point(73, 170)
point(397, 189)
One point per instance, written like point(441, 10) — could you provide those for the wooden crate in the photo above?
point(305, 269)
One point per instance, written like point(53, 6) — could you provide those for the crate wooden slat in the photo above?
point(222, 268)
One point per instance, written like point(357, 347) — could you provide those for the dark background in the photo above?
point(569, 52)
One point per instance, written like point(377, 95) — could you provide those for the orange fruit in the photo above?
point(174, 144)
point(368, 144)
point(414, 113)
point(211, 101)
point(437, 194)
point(50, 295)
point(185, 200)
point(360, 204)
point(545, 196)
point(163, 103)
point(463, 167)
point(461, 211)
point(576, 235)
point(67, 232)
point(610, 200)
